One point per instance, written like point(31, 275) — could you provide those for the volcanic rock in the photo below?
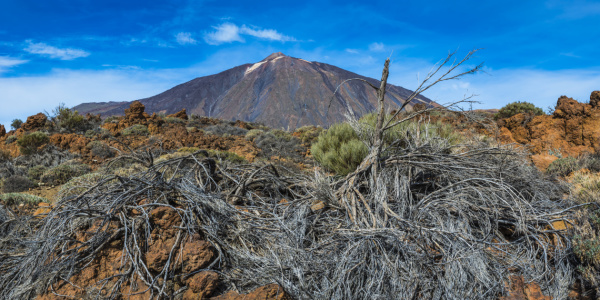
point(180, 114)
point(595, 99)
point(267, 292)
point(35, 122)
point(2, 130)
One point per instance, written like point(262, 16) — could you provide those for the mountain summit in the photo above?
point(279, 91)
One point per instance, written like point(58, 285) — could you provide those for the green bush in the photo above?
point(136, 129)
point(21, 198)
point(71, 120)
point(563, 166)
point(339, 149)
point(35, 173)
point(17, 183)
point(63, 173)
point(16, 124)
point(518, 107)
point(31, 143)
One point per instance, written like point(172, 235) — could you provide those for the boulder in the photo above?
point(180, 114)
point(35, 122)
point(595, 99)
point(2, 130)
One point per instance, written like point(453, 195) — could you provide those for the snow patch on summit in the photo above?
point(253, 67)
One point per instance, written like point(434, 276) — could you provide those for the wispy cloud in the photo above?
point(353, 51)
point(7, 62)
point(54, 52)
point(224, 33)
point(185, 38)
point(229, 32)
point(269, 34)
point(377, 47)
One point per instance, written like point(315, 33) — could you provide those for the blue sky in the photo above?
point(75, 51)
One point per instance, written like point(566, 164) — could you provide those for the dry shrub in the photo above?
point(448, 225)
point(15, 184)
point(20, 198)
point(62, 173)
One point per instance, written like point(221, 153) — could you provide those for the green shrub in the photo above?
point(16, 124)
point(563, 166)
point(10, 139)
point(339, 149)
point(136, 129)
point(35, 173)
point(63, 173)
point(17, 183)
point(518, 107)
point(21, 198)
point(31, 143)
point(70, 120)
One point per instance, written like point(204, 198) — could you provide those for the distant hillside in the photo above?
point(279, 91)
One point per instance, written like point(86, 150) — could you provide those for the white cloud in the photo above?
point(377, 47)
point(8, 62)
point(54, 52)
point(185, 38)
point(353, 51)
point(269, 34)
point(225, 33)
point(229, 32)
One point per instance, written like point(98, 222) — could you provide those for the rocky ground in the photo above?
point(187, 262)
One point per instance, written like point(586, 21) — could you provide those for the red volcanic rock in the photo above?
point(202, 285)
point(267, 292)
point(519, 290)
point(573, 128)
point(35, 122)
point(180, 114)
point(595, 99)
point(568, 108)
point(196, 255)
point(2, 130)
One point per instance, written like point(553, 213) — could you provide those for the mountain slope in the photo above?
point(279, 91)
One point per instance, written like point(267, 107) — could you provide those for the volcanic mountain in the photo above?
point(280, 91)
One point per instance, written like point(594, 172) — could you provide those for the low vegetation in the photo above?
point(32, 142)
point(518, 107)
